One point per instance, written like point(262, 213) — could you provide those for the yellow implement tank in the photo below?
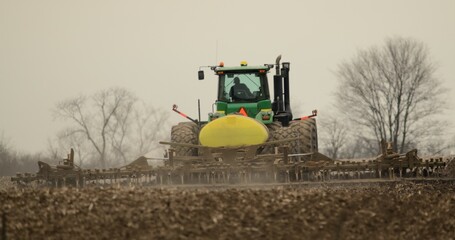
point(233, 131)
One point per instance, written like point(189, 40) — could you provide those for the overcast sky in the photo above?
point(52, 50)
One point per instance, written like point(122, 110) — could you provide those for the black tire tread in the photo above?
point(185, 132)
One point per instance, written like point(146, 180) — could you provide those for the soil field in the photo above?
point(347, 210)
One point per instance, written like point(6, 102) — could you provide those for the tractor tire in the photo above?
point(185, 132)
point(273, 128)
point(307, 131)
point(304, 129)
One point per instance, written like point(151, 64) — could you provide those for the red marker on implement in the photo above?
point(314, 114)
point(174, 108)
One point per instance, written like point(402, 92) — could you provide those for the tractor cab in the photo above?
point(244, 90)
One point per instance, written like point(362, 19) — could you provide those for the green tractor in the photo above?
point(245, 90)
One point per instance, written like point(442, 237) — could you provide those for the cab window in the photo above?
point(242, 87)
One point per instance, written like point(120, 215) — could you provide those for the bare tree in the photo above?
point(334, 135)
point(113, 123)
point(151, 126)
point(119, 130)
point(391, 91)
point(97, 118)
point(6, 162)
point(4, 144)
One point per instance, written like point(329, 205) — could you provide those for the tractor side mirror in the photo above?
point(200, 74)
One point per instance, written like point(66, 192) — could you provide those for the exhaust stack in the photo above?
point(281, 100)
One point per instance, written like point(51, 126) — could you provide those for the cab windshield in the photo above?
point(243, 87)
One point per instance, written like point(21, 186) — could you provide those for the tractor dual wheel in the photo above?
point(304, 129)
point(185, 132)
point(307, 131)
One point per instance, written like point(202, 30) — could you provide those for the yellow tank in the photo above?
point(233, 131)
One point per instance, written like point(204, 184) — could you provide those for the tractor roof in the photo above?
point(241, 68)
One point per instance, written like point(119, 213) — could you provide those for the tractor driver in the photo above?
point(240, 91)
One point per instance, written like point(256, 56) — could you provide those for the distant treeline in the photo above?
point(12, 162)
